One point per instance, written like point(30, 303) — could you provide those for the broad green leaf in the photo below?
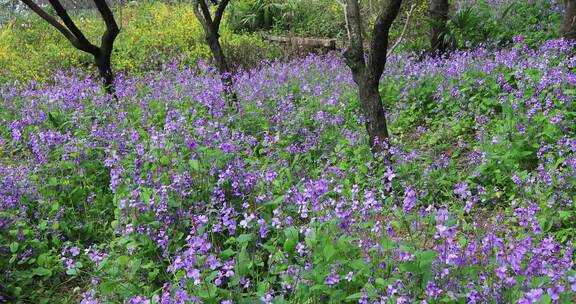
point(41, 271)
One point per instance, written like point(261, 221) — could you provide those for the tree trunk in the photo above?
point(374, 115)
point(75, 36)
point(222, 65)
point(211, 26)
point(439, 15)
point(366, 72)
point(569, 24)
point(105, 70)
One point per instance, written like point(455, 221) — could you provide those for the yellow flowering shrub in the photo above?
point(151, 34)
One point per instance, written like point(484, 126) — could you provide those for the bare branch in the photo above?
point(354, 55)
point(51, 20)
point(219, 13)
point(199, 15)
point(82, 43)
point(206, 12)
point(408, 15)
point(69, 29)
point(343, 4)
point(111, 26)
point(379, 45)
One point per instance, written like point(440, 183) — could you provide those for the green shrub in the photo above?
point(152, 34)
point(322, 18)
point(497, 24)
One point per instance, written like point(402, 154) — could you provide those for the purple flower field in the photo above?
point(167, 196)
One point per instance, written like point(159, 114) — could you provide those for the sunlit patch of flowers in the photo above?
point(168, 196)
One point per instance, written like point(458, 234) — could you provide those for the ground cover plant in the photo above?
point(164, 197)
point(163, 194)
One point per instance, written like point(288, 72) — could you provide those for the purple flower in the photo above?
point(534, 295)
point(554, 292)
point(212, 262)
point(462, 190)
point(74, 251)
point(410, 199)
point(332, 279)
point(572, 281)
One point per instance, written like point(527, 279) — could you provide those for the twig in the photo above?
point(343, 4)
point(395, 45)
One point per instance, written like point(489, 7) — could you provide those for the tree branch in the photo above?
point(379, 45)
point(408, 15)
point(199, 15)
point(219, 13)
point(112, 29)
point(51, 20)
point(206, 12)
point(343, 4)
point(354, 55)
point(81, 42)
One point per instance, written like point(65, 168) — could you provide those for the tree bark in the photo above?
point(211, 26)
point(569, 24)
point(222, 65)
point(374, 115)
point(367, 72)
point(75, 36)
point(439, 16)
point(104, 65)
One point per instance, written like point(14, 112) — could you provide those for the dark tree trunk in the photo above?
point(367, 72)
point(374, 115)
point(569, 24)
point(220, 60)
point(211, 26)
point(75, 36)
point(439, 17)
point(105, 71)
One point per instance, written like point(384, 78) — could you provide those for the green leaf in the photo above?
point(208, 292)
point(227, 253)
point(546, 299)
point(14, 247)
point(426, 257)
point(41, 271)
point(411, 267)
point(311, 239)
point(153, 274)
point(122, 260)
point(355, 296)
point(244, 262)
point(245, 238)
point(135, 265)
point(291, 234)
point(278, 300)
point(329, 251)
point(386, 243)
point(276, 202)
point(72, 272)
point(194, 164)
point(107, 288)
point(358, 264)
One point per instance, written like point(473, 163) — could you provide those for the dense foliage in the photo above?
point(323, 18)
point(163, 196)
point(152, 33)
point(485, 22)
point(471, 22)
point(166, 195)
